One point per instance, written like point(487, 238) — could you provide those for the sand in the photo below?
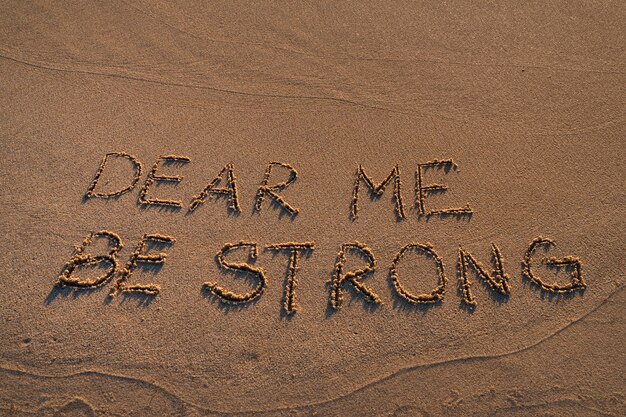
point(526, 98)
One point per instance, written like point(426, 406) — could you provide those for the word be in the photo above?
point(498, 279)
point(110, 261)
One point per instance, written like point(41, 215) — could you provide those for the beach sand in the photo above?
point(527, 98)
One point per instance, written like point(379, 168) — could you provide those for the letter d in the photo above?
point(137, 167)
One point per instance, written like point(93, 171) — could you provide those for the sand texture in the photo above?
point(242, 273)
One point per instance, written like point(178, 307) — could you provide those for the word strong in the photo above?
point(226, 180)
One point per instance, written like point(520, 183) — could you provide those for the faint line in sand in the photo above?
point(5, 54)
point(162, 20)
point(59, 67)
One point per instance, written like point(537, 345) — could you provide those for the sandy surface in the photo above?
point(527, 98)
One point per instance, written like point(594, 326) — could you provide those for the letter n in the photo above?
point(498, 280)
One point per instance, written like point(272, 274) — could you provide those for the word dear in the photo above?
point(498, 279)
point(225, 184)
